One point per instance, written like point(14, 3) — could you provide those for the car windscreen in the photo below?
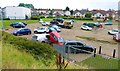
point(115, 30)
point(41, 28)
point(60, 39)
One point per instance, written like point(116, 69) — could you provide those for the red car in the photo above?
point(55, 38)
point(116, 37)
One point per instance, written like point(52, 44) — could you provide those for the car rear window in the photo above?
point(34, 37)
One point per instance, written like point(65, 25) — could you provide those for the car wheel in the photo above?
point(29, 33)
point(109, 33)
point(35, 32)
point(17, 34)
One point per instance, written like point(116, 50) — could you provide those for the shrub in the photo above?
point(6, 19)
point(37, 49)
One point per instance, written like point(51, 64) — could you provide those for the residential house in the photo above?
point(83, 12)
point(14, 12)
point(80, 13)
point(67, 13)
point(34, 12)
point(111, 13)
point(58, 12)
point(99, 14)
point(43, 11)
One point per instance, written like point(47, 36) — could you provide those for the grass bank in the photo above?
point(15, 59)
point(99, 62)
point(97, 40)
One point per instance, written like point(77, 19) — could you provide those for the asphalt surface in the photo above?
point(70, 34)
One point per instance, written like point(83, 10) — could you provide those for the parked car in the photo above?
point(24, 23)
point(92, 25)
point(57, 28)
point(51, 38)
point(113, 32)
point(86, 28)
point(45, 23)
point(55, 38)
point(116, 37)
point(40, 30)
point(78, 45)
point(50, 29)
point(22, 31)
point(61, 20)
point(40, 37)
point(18, 25)
point(68, 24)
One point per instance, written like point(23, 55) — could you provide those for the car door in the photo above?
point(53, 38)
point(80, 45)
point(23, 31)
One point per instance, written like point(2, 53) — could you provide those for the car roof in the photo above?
point(40, 34)
point(69, 41)
point(56, 33)
point(23, 28)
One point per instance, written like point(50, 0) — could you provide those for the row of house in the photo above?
point(99, 14)
point(14, 12)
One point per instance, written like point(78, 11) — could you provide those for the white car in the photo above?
point(86, 28)
point(40, 37)
point(45, 23)
point(113, 32)
point(40, 30)
point(58, 29)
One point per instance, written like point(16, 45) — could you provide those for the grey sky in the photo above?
point(61, 4)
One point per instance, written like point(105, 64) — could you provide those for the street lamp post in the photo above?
point(2, 19)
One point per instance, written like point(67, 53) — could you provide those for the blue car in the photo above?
point(22, 31)
point(18, 25)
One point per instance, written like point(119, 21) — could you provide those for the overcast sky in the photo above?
point(61, 4)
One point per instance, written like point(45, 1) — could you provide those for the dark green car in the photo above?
point(91, 25)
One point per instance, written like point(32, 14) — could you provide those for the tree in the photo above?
point(88, 15)
point(26, 5)
point(67, 8)
point(71, 12)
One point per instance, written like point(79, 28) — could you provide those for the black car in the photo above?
point(78, 45)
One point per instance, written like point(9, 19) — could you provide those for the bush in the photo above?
point(35, 17)
point(6, 19)
point(37, 49)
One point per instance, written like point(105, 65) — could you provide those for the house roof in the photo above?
point(57, 9)
point(99, 11)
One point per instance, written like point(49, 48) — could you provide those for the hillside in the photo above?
point(22, 53)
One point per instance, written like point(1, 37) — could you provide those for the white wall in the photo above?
point(17, 12)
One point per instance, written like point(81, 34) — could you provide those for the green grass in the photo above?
point(97, 40)
point(16, 59)
point(8, 22)
point(99, 62)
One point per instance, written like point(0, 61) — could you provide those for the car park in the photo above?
point(116, 37)
point(40, 30)
point(113, 32)
point(78, 45)
point(86, 28)
point(22, 31)
point(18, 25)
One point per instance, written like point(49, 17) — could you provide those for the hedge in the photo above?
point(38, 50)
